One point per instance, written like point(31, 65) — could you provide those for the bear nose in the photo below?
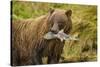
point(55, 28)
point(54, 31)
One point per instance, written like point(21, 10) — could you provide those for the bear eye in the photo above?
point(61, 23)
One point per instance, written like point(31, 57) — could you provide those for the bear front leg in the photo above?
point(53, 59)
point(37, 58)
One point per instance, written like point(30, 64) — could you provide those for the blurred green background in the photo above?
point(84, 19)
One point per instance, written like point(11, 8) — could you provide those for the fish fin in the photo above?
point(61, 40)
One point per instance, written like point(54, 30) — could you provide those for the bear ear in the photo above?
point(68, 13)
point(51, 10)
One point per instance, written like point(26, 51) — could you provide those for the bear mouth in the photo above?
point(54, 32)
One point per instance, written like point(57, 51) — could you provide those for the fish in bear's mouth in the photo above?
point(60, 35)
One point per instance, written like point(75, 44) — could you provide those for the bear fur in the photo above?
point(28, 45)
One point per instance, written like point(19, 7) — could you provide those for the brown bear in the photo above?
point(28, 45)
